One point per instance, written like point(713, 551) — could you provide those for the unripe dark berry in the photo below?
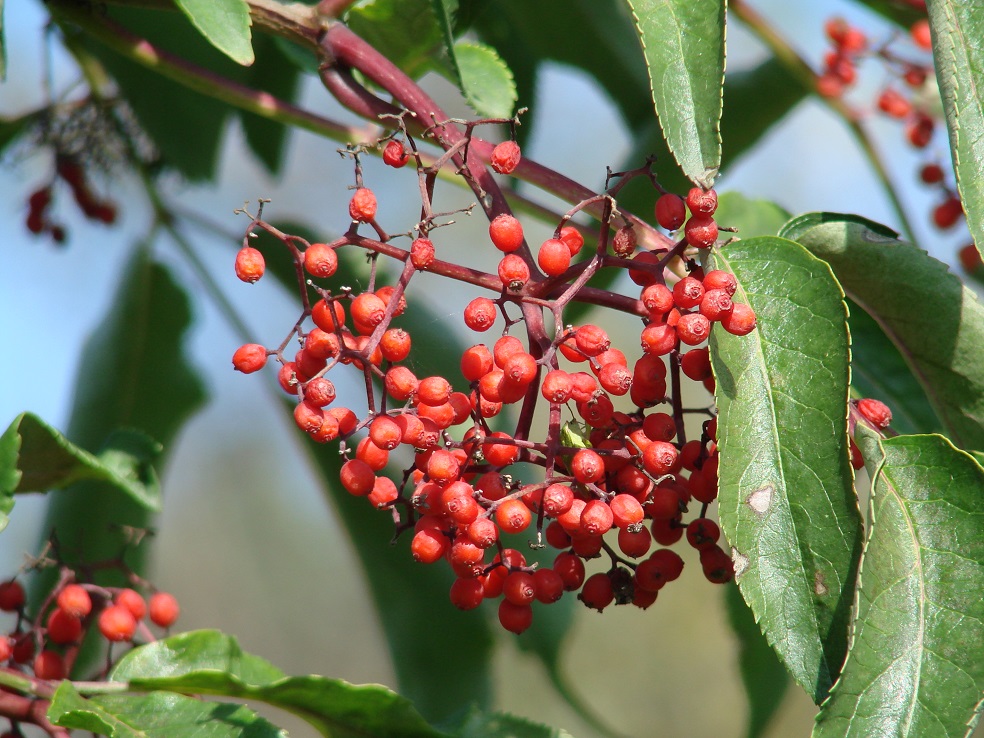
point(624, 241)
point(505, 157)
point(250, 264)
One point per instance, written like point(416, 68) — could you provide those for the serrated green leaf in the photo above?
point(958, 50)
point(935, 322)
point(225, 23)
point(916, 664)
point(406, 31)
point(210, 662)
point(878, 370)
point(683, 42)
point(764, 677)
point(477, 724)
point(787, 503)
point(34, 457)
point(411, 599)
point(486, 81)
point(156, 715)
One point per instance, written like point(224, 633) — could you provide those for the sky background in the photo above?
point(245, 530)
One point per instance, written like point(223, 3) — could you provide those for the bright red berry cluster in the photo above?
point(620, 477)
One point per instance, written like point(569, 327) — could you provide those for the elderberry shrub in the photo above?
point(619, 480)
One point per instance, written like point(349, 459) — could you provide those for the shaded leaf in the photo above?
point(477, 724)
point(787, 503)
point(958, 51)
point(902, 14)
point(878, 370)
point(935, 322)
point(12, 128)
point(683, 42)
point(156, 715)
point(3, 47)
point(407, 32)
point(916, 664)
point(34, 457)
point(486, 81)
point(762, 674)
point(751, 217)
point(225, 23)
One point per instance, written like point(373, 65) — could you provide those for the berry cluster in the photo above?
point(48, 641)
point(617, 474)
point(91, 205)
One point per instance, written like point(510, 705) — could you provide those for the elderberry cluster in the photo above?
point(617, 474)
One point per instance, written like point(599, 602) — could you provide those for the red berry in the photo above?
point(688, 292)
point(362, 206)
point(75, 600)
point(513, 516)
point(63, 627)
point(660, 458)
point(132, 601)
point(357, 477)
point(893, 104)
point(947, 213)
point(12, 596)
point(395, 154)
point(696, 365)
point(875, 412)
point(554, 257)
point(715, 304)
point(250, 264)
point(931, 173)
point(970, 258)
point(50, 665)
point(693, 328)
point(717, 565)
point(6, 649)
point(513, 272)
point(919, 130)
point(519, 588)
point(701, 231)
point(249, 358)
point(921, 35)
point(116, 623)
point(670, 211)
point(320, 260)
point(515, 618)
point(395, 344)
point(596, 518)
point(701, 202)
point(480, 314)
point(506, 233)
point(368, 309)
point(467, 594)
point(557, 386)
point(703, 533)
point(549, 585)
point(573, 238)
point(428, 545)
point(597, 592)
point(422, 253)
point(740, 321)
point(505, 157)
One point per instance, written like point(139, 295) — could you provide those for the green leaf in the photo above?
point(751, 217)
point(486, 81)
point(225, 23)
point(935, 322)
point(12, 128)
point(133, 373)
point(878, 370)
point(916, 664)
point(3, 47)
point(210, 662)
point(902, 14)
point(764, 677)
point(478, 724)
point(958, 50)
point(787, 503)
point(411, 599)
point(683, 41)
point(406, 31)
point(34, 457)
point(156, 715)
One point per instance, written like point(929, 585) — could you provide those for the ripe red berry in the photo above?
point(740, 321)
point(515, 618)
point(688, 292)
point(368, 309)
point(132, 601)
point(970, 258)
point(11, 596)
point(116, 623)
point(715, 304)
point(701, 231)
point(717, 565)
point(931, 173)
point(921, 35)
point(893, 104)
point(480, 314)
point(63, 627)
point(693, 328)
point(362, 206)
point(701, 202)
point(658, 339)
point(513, 516)
point(250, 264)
point(75, 600)
point(6, 649)
point(395, 344)
point(597, 591)
point(696, 365)
point(703, 533)
point(422, 253)
point(657, 299)
point(573, 238)
point(557, 386)
point(875, 412)
point(357, 477)
point(395, 154)
point(320, 260)
point(50, 665)
point(513, 272)
point(919, 130)
point(660, 458)
point(670, 211)
point(428, 545)
point(467, 593)
point(554, 257)
point(505, 157)
point(519, 588)
point(249, 358)
point(506, 233)
point(948, 212)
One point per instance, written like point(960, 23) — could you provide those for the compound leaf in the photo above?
point(787, 502)
point(225, 23)
point(916, 664)
point(935, 322)
point(683, 42)
point(958, 50)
